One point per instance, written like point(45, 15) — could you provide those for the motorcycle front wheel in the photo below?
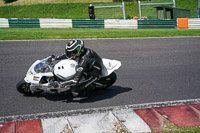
point(24, 88)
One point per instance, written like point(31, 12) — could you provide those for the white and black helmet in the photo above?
point(74, 48)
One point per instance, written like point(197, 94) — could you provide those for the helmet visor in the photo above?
point(71, 54)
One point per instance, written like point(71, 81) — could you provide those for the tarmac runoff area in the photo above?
point(148, 117)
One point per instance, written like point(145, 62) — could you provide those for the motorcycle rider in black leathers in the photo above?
point(89, 66)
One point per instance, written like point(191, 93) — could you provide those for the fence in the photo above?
point(121, 24)
point(110, 11)
point(26, 23)
point(156, 24)
point(107, 23)
point(194, 23)
point(55, 23)
point(4, 23)
point(147, 8)
point(67, 23)
point(81, 23)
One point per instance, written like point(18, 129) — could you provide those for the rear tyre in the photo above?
point(109, 80)
point(24, 88)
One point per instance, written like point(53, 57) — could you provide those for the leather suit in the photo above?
point(89, 66)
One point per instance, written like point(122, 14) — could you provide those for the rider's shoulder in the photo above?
point(88, 51)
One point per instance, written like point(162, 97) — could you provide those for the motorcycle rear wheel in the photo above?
point(109, 80)
point(24, 88)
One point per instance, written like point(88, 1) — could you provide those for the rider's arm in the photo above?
point(82, 66)
point(60, 57)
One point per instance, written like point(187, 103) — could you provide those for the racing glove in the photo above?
point(51, 59)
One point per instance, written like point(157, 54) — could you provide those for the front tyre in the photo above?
point(24, 88)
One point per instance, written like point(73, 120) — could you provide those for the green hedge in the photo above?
point(9, 1)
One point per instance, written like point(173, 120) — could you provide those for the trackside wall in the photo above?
point(99, 23)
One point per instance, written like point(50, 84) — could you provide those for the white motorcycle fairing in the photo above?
point(110, 66)
point(33, 77)
point(64, 69)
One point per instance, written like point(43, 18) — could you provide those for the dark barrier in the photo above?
point(81, 23)
point(24, 23)
point(157, 24)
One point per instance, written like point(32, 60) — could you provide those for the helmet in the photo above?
point(74, 48)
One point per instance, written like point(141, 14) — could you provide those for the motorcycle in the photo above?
point(43, 73)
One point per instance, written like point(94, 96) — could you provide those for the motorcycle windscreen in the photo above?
point(42, 68)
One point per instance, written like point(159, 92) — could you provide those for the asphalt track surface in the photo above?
point(153, 70)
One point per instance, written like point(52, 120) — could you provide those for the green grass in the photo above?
point(170, 127)
point(188, 4)
point(65, 10)
point(183, 130)
point(31, 2)
point(59, 11)
point(70, 33)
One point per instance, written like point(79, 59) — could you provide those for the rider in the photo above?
point(90, 65)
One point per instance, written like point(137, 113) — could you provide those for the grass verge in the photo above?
point(183, 130)
point(67, 10)
point(33, 2)
point(70, 33)
point(62, 11)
